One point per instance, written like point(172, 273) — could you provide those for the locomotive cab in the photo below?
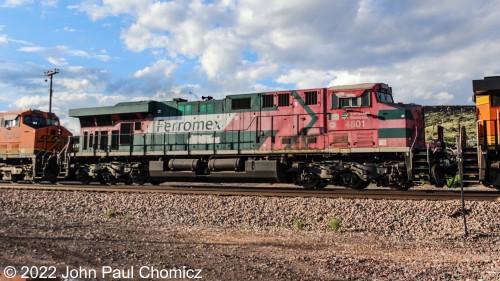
point(365, 116)
point(28, 139)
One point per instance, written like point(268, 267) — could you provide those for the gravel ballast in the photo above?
point(262, 237)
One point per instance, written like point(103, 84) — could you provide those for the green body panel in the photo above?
point(395, 114)
point(395, 133)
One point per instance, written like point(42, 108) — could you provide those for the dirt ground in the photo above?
point(231, 254)
point(95, 241)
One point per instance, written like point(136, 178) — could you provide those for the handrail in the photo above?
point(415, 139)
point(50, 149)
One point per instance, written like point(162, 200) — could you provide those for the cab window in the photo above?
point(361, 101)
point(384, 98)
point(35, 121)
point(495, 99)
point(10, 121)
point(53, 122)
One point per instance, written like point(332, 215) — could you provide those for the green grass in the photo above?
point(298, 224)
point(334, 224)
point(453, 182)
point(111, 213)
point(450, 124)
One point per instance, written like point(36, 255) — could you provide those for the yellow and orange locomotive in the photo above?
point(30, 141)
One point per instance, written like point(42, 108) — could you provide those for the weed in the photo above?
point(334, 224)
point(453, 182)
point(111, 213)
point(298, 224)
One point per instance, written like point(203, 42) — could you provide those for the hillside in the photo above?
point(450, 117)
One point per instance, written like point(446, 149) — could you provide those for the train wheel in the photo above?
point(49, 175)
point(127, 181)
point(351, 180)
point(310, 184)
point(15, 178)
point(439, 178)
point(403, 186)
point(308, 180)
point(111, 180)
point(321, 185)
point(82, 176)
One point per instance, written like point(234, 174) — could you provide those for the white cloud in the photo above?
point(307, 78)
point(69, 29)
point(14, 3)
point(159, 68)
point(110, 7)
point(57, 61)
point(62, 50)
point(3, 39)
point(32, 49)
point(443, 97)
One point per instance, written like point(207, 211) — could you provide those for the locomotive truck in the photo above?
point(350, 135)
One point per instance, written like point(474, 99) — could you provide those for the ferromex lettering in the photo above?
point(191, 123)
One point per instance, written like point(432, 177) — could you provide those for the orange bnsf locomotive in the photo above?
point(31, 143)
point(349, 136)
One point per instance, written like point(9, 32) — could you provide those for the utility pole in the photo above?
point(50, 73)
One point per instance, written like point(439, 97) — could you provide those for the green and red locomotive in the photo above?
point(344, 135)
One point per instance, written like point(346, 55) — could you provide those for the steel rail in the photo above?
point(270, 191)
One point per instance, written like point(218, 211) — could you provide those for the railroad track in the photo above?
point(234, 190)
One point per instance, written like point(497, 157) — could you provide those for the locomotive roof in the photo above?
point(19, 112)
point(352, 87)
point(485, 85)
point(120, 108)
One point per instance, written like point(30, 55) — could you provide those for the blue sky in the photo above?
point(121, 50)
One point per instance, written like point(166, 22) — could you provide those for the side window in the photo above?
point(361, 101)
point(241, 103)
point(185, 109)
point(85, 140)
point(268, 101)
point(115, 136)
point(104, 140)
point(495, 100)
point(284, 99)
point(311, 98)
point(345, 102)
point(12, 122)
point(125, 133)
point(210, 108)
point(207, 108)
point(137, 126)
point(335, 101)
point(365, 99)
point(91, 140)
